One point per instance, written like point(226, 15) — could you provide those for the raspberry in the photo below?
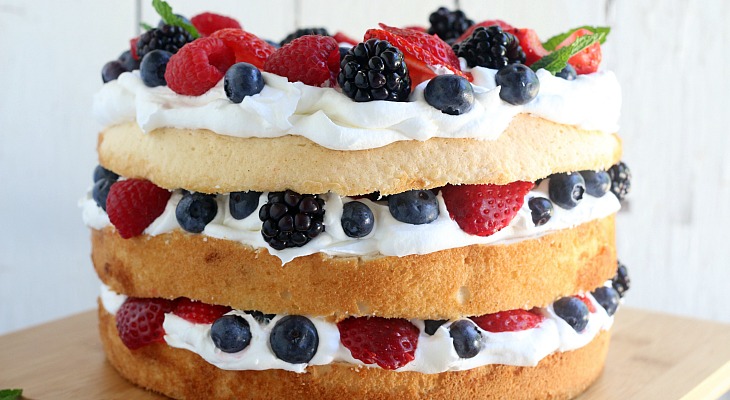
point(530, 43)
point(133, 47)
point(313, 60)
point(390, 343)
point(588, 60)
point(490, 22)
point(509, 321)
point(133, 204)
point(484, 209)
point(588, 303)
point(139, 321)
point(247, 47)
point(198, 312)
point(198, 66)
point(207, 23)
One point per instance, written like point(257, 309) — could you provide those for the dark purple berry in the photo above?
point(230, 333)
point(294, 339)
point(518, 84)
point(467, 339)
point(357, 219)
point(452, 94)
point(620, 180)
point(112, 70)
point(242, 204)
point(541, 210)
point(415, 207)
point(573, 311)
point(566, 190)
point(195, 211)
point(490, 47)
point(374, 70)
point(291, 219)
point(448, 25)
point(153, 67)
point(608, 298)
point(597, 182)
point(241, 80)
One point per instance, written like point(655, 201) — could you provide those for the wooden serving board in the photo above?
point(652, 356)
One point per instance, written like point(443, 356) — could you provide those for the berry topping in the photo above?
point(452, 94)
point(432, 325)
point(241, 80)
point(448, 25)
point(588, 59)
point(374, 70)
point(128, 61)
point(153, 68)
point(133, 48)
point(195, 211)
point(541, 210)
point(247, 47)
point(491, 22)
point(294, 339)
point(519, 84)
point(100, 191)
point(291, 219)
point(260, 317)
point(313, 60)
point(484, 209)
point(467, 339)
point(509, 321)
point(490, 47)
point(573, 311)
point(111, 71)
point(304, 32)
point(530, 43)
point(621, 281)
point(242, 204)
point(198, 312)
point(139, 321)
point(357, 219)
point(198, 66)
point(103, 173)
point(587, 302)
point(133, 204)
point(207, 23)
point(568, 73)
point(597, 182)
point(566, 190)
point(169, 38)
point(230, 333)
point(608, 298)
point(620, 180)
point(388, 342)
point(415, 207)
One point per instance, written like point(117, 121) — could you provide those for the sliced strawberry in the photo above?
point(588, 303)
point(308, 59)
point(509, 321)
point(342, 38)
point(484, 209)
point(133, 204)
point(198, 312)
point(490, 22)
point(530, 43)
point(588, 60)
point(246, 46)
point(389, 342)
point(416, 28)
point(139, 321)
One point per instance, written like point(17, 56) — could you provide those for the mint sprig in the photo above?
point(170, 18)
point(557, 60)
point(11, 394)
point(554, 41)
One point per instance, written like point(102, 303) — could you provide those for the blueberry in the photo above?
point(519, 84)
point(452, 94)
point(260, 317)
point(467, 339)
point(231, 333)
point(566, 190)
point(414, 207)
point(541, 210)
point(294, 339)
point(128, 62)
point(241, 80)
point(153, 66)
point(195, 211)
point(608, 298)
point(431, 325)
point(112, 70)
point(621, 281)
point(242, 204)
point(573, 311)
point(568, 73)
point(597, 182)
point(357, 219)
point(103, 173)
point(101, 190)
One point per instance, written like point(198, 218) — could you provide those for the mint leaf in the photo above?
point(145, 26)
point(170, 18)
point(557, 60)
point(554, 41)
point(11, 394)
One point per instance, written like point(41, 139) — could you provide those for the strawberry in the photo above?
point(484, 209)
point(509, 321)
point(133, 204)
point(588, 60)
point(588, 303)
point(342, 38)
point(530, 44)
point(139, 321)
point(198, 312)
point(389, 342)
point(491, 22)
point(207, 23)
point(247, 47)
point(416, 28)
point(311, 59)
point(422, 52)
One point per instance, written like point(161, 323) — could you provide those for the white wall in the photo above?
point(670, 56)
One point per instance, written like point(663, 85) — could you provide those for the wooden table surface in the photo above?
point(652, 356)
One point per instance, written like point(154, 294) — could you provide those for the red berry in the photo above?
point(509, 321)
point(198, 312)
point(247, 47)
point(207, 23)
point(491, 22)
point(484, 209)
point(133, 204)
point(416, 28)
point(588, 303)
point(139, 321)
point(311, 59)
point(390, 343)
point(342, 38)
point(133, 47)
point(198, 66)
point(588, 60)
point(530, 43)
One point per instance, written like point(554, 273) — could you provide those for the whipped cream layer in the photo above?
point(389, 237)
point(434, 353)
point(331, 119)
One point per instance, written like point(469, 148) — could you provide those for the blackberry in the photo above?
point(291, 219)
point(621, 281)
point(167, 37)
point(490, 47)
point(448, 25)
point(374, 70)
point(620, 179)
point(303, 32)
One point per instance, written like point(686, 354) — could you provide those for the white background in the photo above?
point(670, 56)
